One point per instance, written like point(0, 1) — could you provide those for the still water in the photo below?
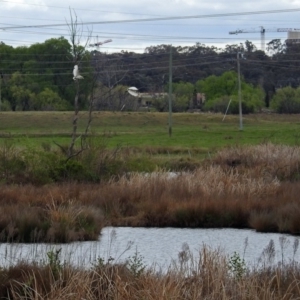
point(157, 246)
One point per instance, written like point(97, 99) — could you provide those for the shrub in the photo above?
point(237, 266)
point(136, 265)
point(139, 164)
point(286, 100)
point(221, 104)
point(67, 170)
point(12, 164)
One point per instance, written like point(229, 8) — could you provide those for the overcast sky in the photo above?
point(177, 22)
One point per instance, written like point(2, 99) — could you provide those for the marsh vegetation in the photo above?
point(241, 187)
point(210, 276)
point(220, 178)
point(247, 181)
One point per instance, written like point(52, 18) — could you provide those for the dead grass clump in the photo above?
point(288, 218)
point(215, 180)
point(279, 161)
point(72, 222)
point(53, 222)
point(212, 180)
point(278, 282)
point(40, 281)
point(263, 221)
point(19, 223)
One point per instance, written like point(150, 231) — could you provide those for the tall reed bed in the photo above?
point(242, 187)
point(28, 219)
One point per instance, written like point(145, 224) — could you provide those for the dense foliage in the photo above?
point(287, 100)
point(39, 77)
point(220, 89)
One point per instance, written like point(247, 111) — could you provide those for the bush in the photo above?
point(221, 104)
point(69, 169)
point(12, 164)
point(181, 164)
point(140, 164)
point(286, 100)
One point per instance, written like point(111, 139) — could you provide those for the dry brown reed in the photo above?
point(280, 161)
point(253, 186)
point(35, 216)
point(206, 277)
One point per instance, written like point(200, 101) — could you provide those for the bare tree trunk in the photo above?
point(84, 144)
point(75, 119)
point(77, 51)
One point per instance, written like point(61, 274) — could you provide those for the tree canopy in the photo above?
point(39, 77)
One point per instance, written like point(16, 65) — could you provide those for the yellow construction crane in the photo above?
point(262, 31)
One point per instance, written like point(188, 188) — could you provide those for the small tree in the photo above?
point(49, 100)
point(21, 95)
point(219, 89)
point(286, 101)
point(184, 92)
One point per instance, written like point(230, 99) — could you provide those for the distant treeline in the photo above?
point(39, 77)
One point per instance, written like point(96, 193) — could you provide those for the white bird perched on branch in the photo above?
point(76, 73)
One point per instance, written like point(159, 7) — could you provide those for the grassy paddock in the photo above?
point(143, 129)
point(211, 276)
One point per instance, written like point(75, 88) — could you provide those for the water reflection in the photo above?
point(157, 246)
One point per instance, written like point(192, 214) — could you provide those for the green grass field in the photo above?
point(143, 129)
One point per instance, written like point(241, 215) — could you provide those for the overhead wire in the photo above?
point(105, 59)
point(133, 36)
point(174, 67)
point(126, 36)
point(219, 15)
point(76, 8)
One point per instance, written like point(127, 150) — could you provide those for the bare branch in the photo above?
point(77, 51)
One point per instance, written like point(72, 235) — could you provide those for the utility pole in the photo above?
point(170, 92)
point(0, 89)
point(239, 92)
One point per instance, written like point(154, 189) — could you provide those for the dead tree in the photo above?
point(75, 31)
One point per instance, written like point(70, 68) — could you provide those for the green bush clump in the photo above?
point(221, 104)
point(12, 164)
point(286, 101)
point(39, 167)
point(181, 164)
point(140, 164)
point(67, 170)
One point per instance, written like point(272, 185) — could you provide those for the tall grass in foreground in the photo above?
point(211, 276)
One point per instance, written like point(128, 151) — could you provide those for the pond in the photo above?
point(158, 246)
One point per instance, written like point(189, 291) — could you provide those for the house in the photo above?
point(197, 101)
point(145, 99)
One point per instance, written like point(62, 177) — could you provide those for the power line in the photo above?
point(77, 9)
point(129, 36)
point(165, 67)
point(261, 12)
